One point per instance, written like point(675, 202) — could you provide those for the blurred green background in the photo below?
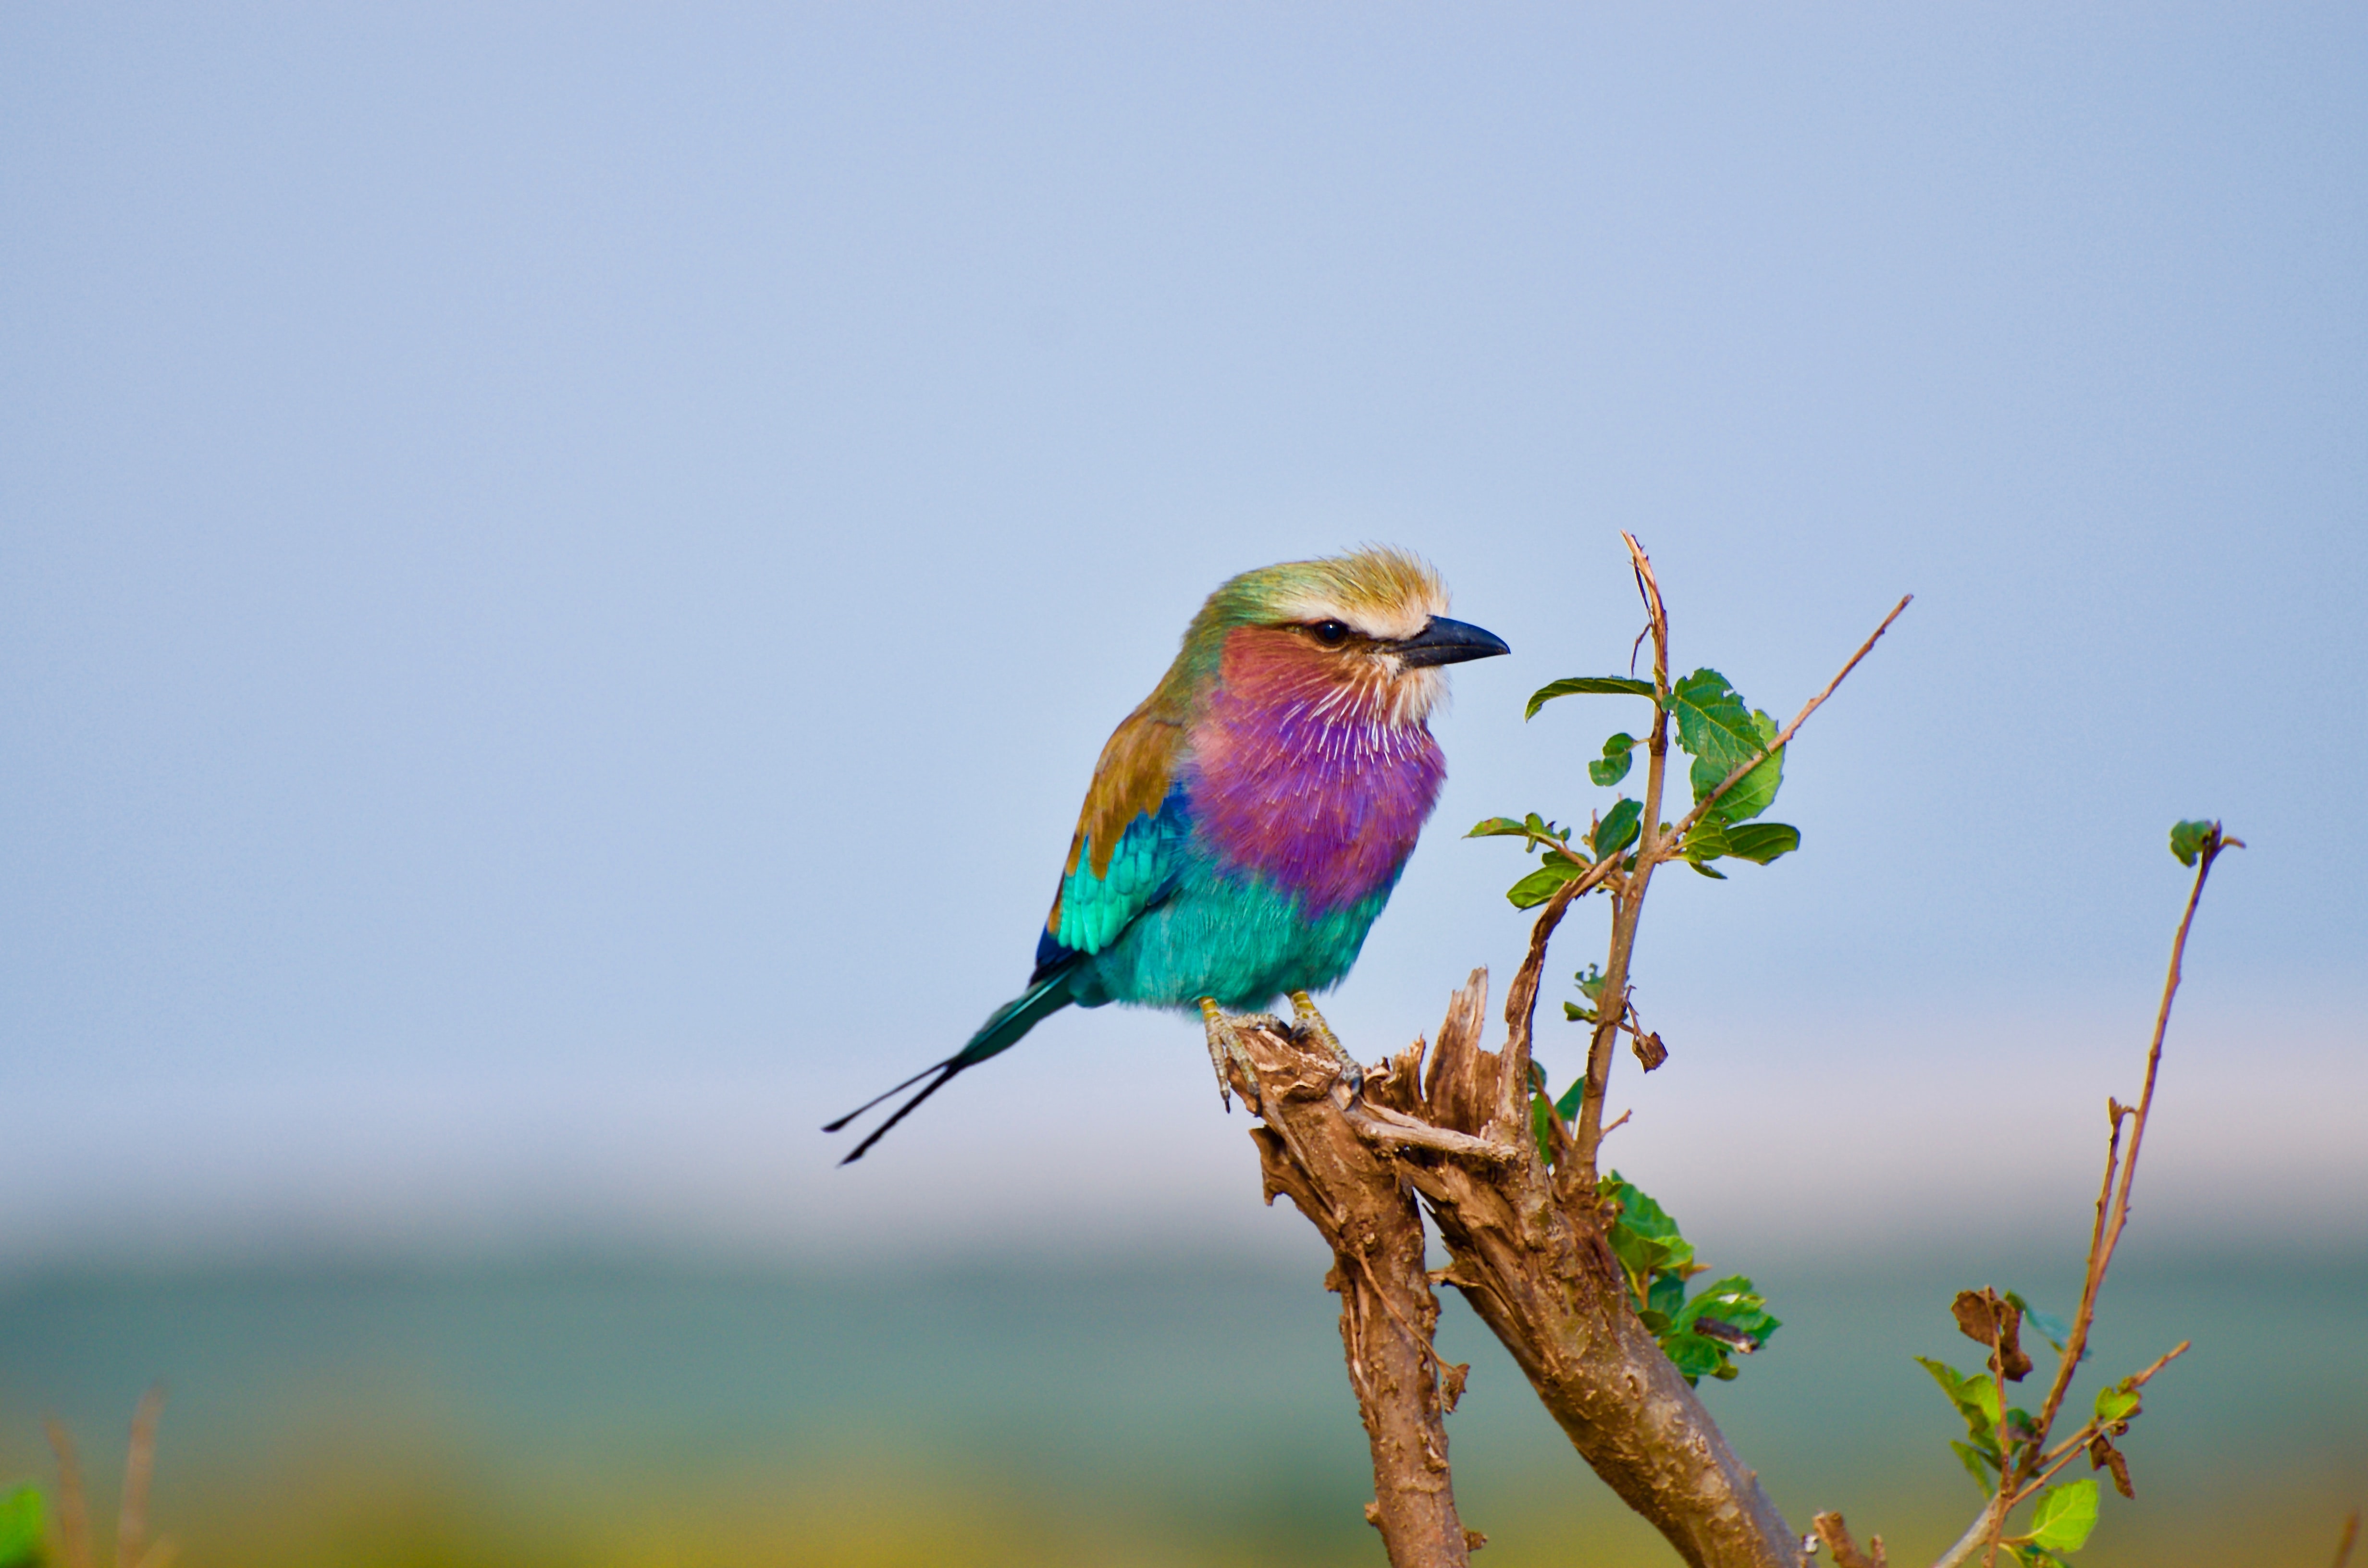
point(1090, 1412)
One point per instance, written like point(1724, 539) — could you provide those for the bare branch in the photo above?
point(1837, 1539)
point(1784, 736)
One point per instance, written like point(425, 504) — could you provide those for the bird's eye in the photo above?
point(1331, 633)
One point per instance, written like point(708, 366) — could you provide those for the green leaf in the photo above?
point(1755, 790)
point(1638, 1213)
point(21, 1534)
point(1532, 827)
point(1977, 1465)
point(1622, 686)
point(1619, 753)
point(1541, 885)
point(2116, 1403)
point(2188, 838)
point(1619, 827)
point(1694, 1356)
point(1713, 722)
point(1567, 1107)
point(1706, 841)
point(1761, 842)
point(1498, 827)
point(2065, 1517)
point(1975, 1397)
point(1736, 1303)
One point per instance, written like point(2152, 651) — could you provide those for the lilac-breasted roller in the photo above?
point(1247, 822)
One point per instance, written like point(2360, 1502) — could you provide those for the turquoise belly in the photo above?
point(1239, 940)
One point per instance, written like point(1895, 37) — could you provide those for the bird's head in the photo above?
point(1370, 624)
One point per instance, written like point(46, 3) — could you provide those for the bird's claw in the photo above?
point(1308, 1021)
point(1225, 1049)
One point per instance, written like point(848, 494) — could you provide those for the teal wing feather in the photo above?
point(1129, 847)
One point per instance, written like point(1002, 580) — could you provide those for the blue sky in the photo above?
point(563, 571)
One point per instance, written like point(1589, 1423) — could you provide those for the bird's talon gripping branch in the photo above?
point(1308, 1021)
point(1226, 1048)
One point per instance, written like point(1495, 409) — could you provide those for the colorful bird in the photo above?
point(1247, 822)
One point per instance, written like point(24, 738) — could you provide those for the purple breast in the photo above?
point(1307, 782)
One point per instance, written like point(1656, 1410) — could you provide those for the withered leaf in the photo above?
point(2102, 1455)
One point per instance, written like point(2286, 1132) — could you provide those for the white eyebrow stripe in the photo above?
point(1390, 627)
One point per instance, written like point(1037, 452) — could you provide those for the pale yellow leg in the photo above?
point(1311, 1022)
point(1223, 1048)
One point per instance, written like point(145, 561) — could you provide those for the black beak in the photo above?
point(1445, 641)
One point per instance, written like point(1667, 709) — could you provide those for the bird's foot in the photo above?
point(1225, 1052)
point(1308, 1021)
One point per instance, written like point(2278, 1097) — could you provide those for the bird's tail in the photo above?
point(1001, 1031)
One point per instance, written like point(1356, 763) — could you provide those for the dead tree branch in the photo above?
point(1535, 1268)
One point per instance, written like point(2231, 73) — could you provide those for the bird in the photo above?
point(1248, 821)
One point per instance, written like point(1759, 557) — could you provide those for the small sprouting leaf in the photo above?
point(1541, 1123)
point(1590, 981)
point(1619, 828)
point(1977, 1464)
point(1533, 829)
point(1498, 827)
point(21, 1531)
point(1623, 686)
point(1761, 842)
point(1713, 722)
point(2065, 1517)
point(1619, 752)
point(2116, 1403)
point(2188, 838)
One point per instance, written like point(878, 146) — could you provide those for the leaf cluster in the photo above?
point(1700, 1333)
point(2067, 1514)
point(1714, 726)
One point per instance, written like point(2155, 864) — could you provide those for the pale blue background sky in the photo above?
point(561, 573)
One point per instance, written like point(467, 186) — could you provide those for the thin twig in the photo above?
point(140, 1463)
point(2005, 1447)
point(2108, 1235)
point(1784, 736)
point(73, 1506)
point(2017, 1480)
point(2351, 1537)
point(1628, 900)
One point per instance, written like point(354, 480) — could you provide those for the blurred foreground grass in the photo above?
point(1110, 1412)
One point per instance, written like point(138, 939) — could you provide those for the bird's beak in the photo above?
point(1445, 641)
